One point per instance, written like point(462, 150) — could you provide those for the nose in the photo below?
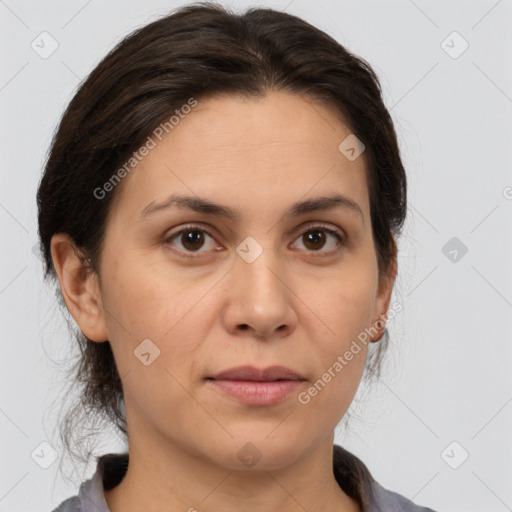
point(259, 301)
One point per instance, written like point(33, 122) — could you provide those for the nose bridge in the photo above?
point(257, 267)
point(258, 296)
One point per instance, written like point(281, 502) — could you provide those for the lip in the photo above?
point(253, 386)
point(251, 373)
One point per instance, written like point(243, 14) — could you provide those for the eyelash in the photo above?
point(192, 227)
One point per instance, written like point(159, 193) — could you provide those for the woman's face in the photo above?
point(270, 285)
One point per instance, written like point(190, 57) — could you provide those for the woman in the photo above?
point(220, 206)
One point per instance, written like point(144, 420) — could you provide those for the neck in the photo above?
point(175, 479)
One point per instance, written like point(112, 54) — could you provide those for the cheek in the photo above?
point(141, 308)
point(138, 306)
point(346, 306)
point(346, 310)
point(143, 303)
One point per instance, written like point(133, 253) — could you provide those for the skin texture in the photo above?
point(299, 304)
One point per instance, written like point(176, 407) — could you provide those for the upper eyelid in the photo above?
point(303, 227)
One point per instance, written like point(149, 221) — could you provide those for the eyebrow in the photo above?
point(201, 205)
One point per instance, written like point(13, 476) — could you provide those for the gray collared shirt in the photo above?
point(112, 467)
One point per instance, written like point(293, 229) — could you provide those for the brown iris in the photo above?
point(314, 237)
point(192, 239)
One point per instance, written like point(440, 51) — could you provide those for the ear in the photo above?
point(386, 282)
point(79, 286)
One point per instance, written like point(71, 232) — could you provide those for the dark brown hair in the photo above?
point(199, 50)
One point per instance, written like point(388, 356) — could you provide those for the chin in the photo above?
point(255, 450)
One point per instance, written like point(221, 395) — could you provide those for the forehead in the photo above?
point(277, 117)
point(248, 149)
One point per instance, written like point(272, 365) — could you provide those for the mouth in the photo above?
point(250, 373)
point(253, 386)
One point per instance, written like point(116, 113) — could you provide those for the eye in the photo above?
point(193, 238)
point(315, 238)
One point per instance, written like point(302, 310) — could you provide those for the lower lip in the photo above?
point(257, 392)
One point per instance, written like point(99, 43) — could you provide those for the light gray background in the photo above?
point(447, 375)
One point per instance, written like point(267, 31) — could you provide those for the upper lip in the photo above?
point(271, 373)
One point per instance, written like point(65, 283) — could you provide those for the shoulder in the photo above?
point(384, 500)
point(110, 470)
point(356, 480)
point(89, 499)
point(70, 505)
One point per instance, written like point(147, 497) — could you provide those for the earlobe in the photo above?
point(79, 287)
point(386, 283)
